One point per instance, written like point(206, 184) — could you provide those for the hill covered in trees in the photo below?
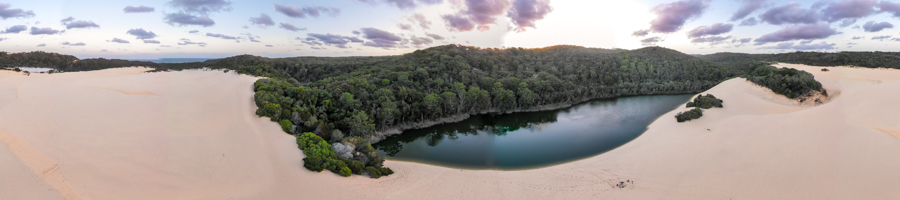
point(874, 59)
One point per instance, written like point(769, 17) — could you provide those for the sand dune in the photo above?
point(197, 138)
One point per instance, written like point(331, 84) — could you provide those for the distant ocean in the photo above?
point(173, 60)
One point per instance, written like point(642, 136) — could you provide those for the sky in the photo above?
point(131, 29)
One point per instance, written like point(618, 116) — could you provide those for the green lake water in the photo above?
point(532, 139)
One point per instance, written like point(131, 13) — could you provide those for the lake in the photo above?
point(532, 139)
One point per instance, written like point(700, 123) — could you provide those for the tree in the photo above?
point(360, 124)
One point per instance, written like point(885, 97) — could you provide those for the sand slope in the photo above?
point(121, 134)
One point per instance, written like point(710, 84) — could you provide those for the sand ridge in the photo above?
point(199, 138)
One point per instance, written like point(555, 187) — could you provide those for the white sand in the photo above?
point(121, 134)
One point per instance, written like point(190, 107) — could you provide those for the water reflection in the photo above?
point(525, 140)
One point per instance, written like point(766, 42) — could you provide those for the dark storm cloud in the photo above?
point(314, 11)
point(798, 32)
point(139, 9)
point(848, 9)
point(290, 27)
point(117, 40)
point(640, 33)
point(420, 19)
point(151, 42)
point(651, 41)
point(435, 36)
point(749, 22)
point(44, 31)
point(7, 13)
point(380, 38)
point(881, 38)
point(713, 40)
point(715, 29)
point(184, 19)
point(73, 44)
point(216, 35)
point(141, 33)
point(14, 29)
point(887, 6)
point(790, 13)
point(871, 26)
point(672, 16)
point(202, 7)
point(746, 8)
point(262, 20)
point(524, 13)
point(478, 14)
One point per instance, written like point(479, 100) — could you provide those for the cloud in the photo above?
point(478, 14)
point(185, 41)
point(14, 29)
point(884, 6)
point(44, 31)
point(71, 23)
point(251, 37)
point(185, 19)
point(293, 11)
point(651, 41)
point(73, 44)
point(871, 26)
point(421, 41)
point(117, 40)
point(847, 22)
point(140, 33)
point(420, 19)
point(640, 33)
point(1, 39)
point(42, 45)
point(139, 9)
point(715, 29)
point(790, 13)
point(404, 4)
point(746, 8)
point(202, 7)
point(435, 36)
point(151, 42)
point(524, 13)
point(312, 43)
point(881, 38)
point(713, 40)
point(380, 38)
point(6, 13)
point(290, 27)
point(317, 48)
point(404, 26)
point(798, 32)
point(672, 16)
point(741, 41)
point(330, 39)
point(262, 20)
point(852, 9)
point(268, 45)
point(749, 22)
point(216, 35)
point(802, 47)
point(857, 37)
point(194, 31)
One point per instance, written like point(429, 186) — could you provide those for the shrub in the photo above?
point(286, 126)
point(374, 173)
point(705, 102)
point(695, 113)
point(356, 167)
point(785, 81)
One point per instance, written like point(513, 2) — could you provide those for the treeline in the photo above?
point(872, 59)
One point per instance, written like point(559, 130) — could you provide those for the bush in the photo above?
point(356, 167)
point(374, 173)
point(286, 126)
point(695, 113)
point(785, 81)
point(705, 102)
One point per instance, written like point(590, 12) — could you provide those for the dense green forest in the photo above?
point(873, 59)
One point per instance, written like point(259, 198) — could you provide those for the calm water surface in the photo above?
point(534, 139)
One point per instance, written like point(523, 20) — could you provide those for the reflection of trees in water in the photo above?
point(496, 125)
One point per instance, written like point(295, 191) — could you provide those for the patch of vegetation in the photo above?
point(705, 102)
point(785, 81)
point(695, 113)
point(321, 156)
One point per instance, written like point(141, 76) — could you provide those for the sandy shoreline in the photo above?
point(123, 134)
